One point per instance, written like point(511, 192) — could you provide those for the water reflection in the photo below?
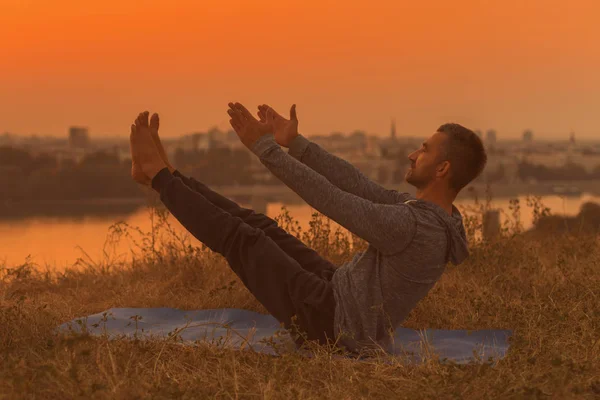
point(59, 241)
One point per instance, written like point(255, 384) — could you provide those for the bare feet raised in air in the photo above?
point(136, 169)
point(154, 125)
point(143, 149)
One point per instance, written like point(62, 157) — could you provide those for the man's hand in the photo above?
point(146, 161)
point(284, 130)
point(248, 128)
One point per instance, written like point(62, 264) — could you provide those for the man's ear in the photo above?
point(443, 168)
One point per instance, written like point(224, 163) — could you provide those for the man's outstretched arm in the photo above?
point(342, 173)
point(388, 227)
point(337, 170)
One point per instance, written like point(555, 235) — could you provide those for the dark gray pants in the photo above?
point(285, 275)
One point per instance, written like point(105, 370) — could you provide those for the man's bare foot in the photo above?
point(144, 149)
point(154, 125)
point(136, 170)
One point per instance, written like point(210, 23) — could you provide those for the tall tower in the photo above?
point(393, 129)
point(571, 146)
point(572, 138)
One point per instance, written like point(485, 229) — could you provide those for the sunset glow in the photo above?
point(507, 65)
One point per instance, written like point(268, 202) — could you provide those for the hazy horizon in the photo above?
point(500, 138)
point(507, 66)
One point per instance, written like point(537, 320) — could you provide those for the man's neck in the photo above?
point(440, 196)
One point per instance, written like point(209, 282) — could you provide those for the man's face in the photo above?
point(423, 162)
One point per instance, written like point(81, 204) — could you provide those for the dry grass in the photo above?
point(547, 290)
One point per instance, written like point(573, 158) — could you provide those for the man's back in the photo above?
point(375, 292)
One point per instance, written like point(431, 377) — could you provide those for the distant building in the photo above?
point(6, 139)
point(490, 138)
point(356, 142)
point(220, 139)
point(79, 137)
point(192, 142)
point(334, 143)
point(200, 141)
point(372, 148)
point(204, 141)
point(528, 136)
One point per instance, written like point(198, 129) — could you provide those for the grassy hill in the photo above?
point(547, 289)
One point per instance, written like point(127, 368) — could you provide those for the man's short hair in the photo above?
point(466, 153)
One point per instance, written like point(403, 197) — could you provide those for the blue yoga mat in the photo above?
point(242, 329)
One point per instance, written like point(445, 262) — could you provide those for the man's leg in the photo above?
point(276, 279)
point(308, 258)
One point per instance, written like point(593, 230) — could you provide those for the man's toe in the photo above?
point(154, 123)
point(138, 120)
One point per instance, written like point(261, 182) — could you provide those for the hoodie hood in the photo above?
point(458, 249)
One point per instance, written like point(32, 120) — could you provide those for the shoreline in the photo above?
point(263, 194)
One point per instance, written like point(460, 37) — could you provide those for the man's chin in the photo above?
point(409, 179)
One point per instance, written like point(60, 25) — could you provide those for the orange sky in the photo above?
point(508, 65)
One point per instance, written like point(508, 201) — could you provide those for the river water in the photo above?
point(59, 242)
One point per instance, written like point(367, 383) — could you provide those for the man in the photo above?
point(360, 303)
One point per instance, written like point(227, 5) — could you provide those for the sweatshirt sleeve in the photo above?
point(387, 227)
point(342, 173)
point(188, 181)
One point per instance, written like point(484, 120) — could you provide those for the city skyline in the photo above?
point(508, 66)
point(536, 137)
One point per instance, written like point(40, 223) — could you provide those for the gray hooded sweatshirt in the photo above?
point(410, 240)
